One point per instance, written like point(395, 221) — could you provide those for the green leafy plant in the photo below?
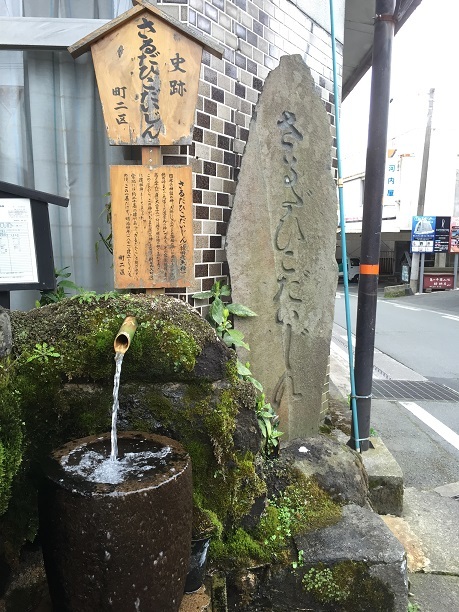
point(59, 293)
point(305, 507)
point(413, 607)
point(88, 297)
point(219, 316)
point(268, 422)
point(326, 587)
point(42, 352)
point(300, 561)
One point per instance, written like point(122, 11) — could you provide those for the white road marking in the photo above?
point(452, 317)
point(406, 307)
point(435, 312)
point(442, 430)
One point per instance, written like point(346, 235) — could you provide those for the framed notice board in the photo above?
point(26, 253)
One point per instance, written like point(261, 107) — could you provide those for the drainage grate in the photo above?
point(413, 390)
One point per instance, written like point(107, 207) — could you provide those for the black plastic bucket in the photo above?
point(198, 562)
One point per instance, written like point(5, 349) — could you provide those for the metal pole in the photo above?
point(422, 186)
point(421, 275)
point(372, 215)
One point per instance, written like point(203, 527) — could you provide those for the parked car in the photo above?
point(353, 269)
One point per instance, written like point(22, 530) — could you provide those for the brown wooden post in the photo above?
point(151, 156)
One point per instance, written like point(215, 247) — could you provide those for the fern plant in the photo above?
point(59, 293)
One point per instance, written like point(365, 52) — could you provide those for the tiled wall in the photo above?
point(254, 34)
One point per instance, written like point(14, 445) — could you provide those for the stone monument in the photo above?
point(281, 245)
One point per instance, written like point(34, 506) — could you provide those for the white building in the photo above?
point(417, 67)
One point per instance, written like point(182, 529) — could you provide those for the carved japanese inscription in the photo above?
point(281, 246)
point(152, 226)
point(289, 237)
point(148, 75)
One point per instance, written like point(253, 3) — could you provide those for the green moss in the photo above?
point(205, 522)
point(167, 341)
point(164, 349)
point(245, 486)
point(300, 507)
point(231, 370)
point(350, 585)
point(304, 506)
point(11, 444)
point(220, 424)
point(225, 481)
point(240, 549)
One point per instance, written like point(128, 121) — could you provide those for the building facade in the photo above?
point(53, 138)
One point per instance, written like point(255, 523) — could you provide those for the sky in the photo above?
point(424, 56)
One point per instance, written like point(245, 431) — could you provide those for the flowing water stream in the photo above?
point(134, 462)
point(115, 515)
point(116, 404)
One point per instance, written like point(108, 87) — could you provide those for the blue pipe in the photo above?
point(343, 234)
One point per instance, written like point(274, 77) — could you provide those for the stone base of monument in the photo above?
point(385, 479)
point(383, 474)
point(356, 564)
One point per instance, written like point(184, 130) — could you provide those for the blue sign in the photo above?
point(423, 234)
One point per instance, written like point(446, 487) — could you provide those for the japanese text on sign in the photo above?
point(152, 226)
point(148, 79)
point(18, 262)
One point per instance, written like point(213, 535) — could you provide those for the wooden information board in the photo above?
point(148, 76)
point(152, 221)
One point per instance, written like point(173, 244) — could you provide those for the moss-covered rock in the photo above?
point(57, 385)
point(348, 586)
point(179, 380)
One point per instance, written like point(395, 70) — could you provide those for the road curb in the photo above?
point(385, 477)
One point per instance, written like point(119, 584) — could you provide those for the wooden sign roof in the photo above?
point(147, 67)
point(83, 45)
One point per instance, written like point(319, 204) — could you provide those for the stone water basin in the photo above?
point(116, 535)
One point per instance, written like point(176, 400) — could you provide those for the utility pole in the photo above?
point(372, 216)
point(414, 277)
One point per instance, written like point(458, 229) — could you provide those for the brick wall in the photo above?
point(254, 34)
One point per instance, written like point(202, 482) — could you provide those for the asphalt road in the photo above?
point(420, 331)
point(417, 339)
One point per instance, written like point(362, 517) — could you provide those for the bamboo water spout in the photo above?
point(125, 334)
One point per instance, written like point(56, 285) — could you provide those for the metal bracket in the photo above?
point(391, 18)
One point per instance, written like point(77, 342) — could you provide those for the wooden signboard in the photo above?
point(148, 76)
point(152, 222)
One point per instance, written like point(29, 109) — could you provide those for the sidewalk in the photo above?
point(428, 527)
